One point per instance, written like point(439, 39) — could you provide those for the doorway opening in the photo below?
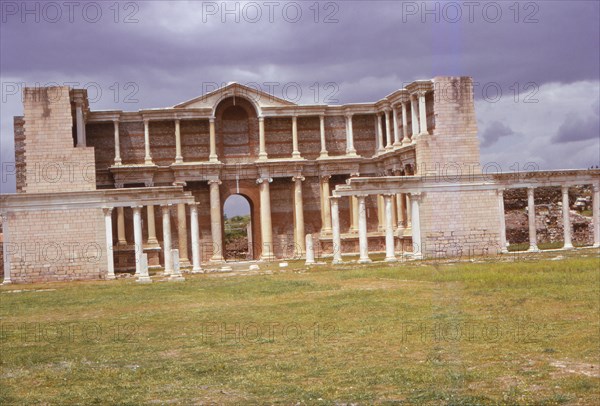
point(237, 224)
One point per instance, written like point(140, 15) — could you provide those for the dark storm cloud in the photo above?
point(495, 131)
point(577, 128)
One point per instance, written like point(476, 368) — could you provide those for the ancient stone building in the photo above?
point(105, 190)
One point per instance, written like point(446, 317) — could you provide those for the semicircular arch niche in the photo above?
point(236, 130)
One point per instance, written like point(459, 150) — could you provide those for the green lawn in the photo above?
point(524, 330)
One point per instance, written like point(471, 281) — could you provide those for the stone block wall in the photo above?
point(460, 223)
point(56, 245)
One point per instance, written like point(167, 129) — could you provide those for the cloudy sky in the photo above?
point(535, 64)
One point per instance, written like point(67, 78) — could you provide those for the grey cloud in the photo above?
point(494, 132)
point(577, 128)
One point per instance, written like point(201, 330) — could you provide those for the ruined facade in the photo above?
point(399, 175)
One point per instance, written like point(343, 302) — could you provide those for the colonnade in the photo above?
point(390, 113)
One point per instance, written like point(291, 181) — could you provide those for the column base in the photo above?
point(197, 270)
point(424, 134)
point(337, 262)
point(148, 162)
point(504, 251)
point(418, 255)
point(6, 282)
point(176, 278)
point(391, 259)
point(596, 245)
point(118, 162)
point(111, 277)
point(533, 248)
point(397, 144)
point(267, 258)
point(389, 147)
point(262, 156)
point(568, 247)
point(324, 154)
point(364, 261)
point(351, 153)
point(217, 260)
point(179, 160)
point(143, 279)
point(184, 263)
point(406, 141)
point(296, 155)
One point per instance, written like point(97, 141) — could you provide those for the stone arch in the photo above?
point(236, 127)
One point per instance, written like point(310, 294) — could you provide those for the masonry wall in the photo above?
point(52, 162)
point(460, 224)
point(56, 245)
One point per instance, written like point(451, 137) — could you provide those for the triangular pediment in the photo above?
point(257, 97)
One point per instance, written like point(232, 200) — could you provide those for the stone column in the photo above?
point(299, 215)
point(380, 214)
point(390, 256)
point(415, 200)
point(408, 211)
point(80, 125)
point(566, 219)
point(324, 152)
point(262, 152)
point(414, 117)
point(182, 235)
point(216, 221)
point(380, 146)
point(310, 250)
point(5, 249)
point(196, 267)
point(531, 214)
point(148, 157)
point(388, 132)
point(121, 226)
point(137, 238)
point(266, 229)
point(405, 139)
point(117, 144)
point(397, 141)
point(349, 136)
point(325, 209)
point(335, 229)
point(212, 157)
point(110, 274)
point(151, 226)
point(166, 224)
point(353, 214)
point(401, 208)
point(422, 114)
point(295, 151)
point(363, 243)
point(178, 157)
point(596, 214)
point(500, 194)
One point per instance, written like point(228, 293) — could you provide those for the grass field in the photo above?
point(522, 331)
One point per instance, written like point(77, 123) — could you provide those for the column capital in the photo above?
point(500, 191)
point(146, 121)
point(349, 115)
point(116, 121)
point(107, 211)
point(421, 93)
point(261, 180)
point(166, 207)
point(334, 198)
point(417, 196)
point(325, 177)
point(213, 181)
point(530, 191)
point(564, 188)
point(261, 118)
point(211, 119)
point(390, 195)
point(596, 187)
point(298, 177)
point(137, 207)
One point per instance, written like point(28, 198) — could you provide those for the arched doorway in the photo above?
point(236, 130)
point(237, 229)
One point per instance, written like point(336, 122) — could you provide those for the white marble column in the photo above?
point(266, 229)
point(110, 274)
point(81, 142)
point(363, 242)
point(408, 211)
point(212, 157)
point(349, 136)
point(323, 153)
point(422, 114)
point(503, 245)
point(397, 141)
point(388, 131)
point(117, 144)
point(178, 157)
point(299, 216)
point(121, 226)
point(566, 219)
point(596, 214)
point(531, 215)
point(137, 238)
point(166, 225)
point(353, 214)
point(415, 201)
point(414, 117)
point(405, 139)
point(295, 151)
point(325, 209)
point(262, 146)
point(401, 208)
point(216, 225)
point(182, 235)
point(196, 266)
point(147, 157)
point(380, 145)
point(335, 229)
point(380, 214)
point(151, 226)
point(390, 256)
